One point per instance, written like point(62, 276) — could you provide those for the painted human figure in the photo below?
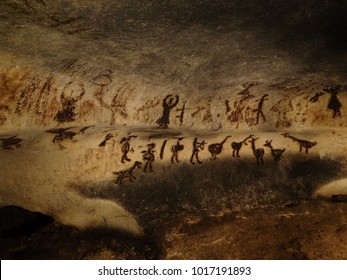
point(260, 107)
point(175, 149)
point(126, 147)
point(149, 157)
point(197, 147)
point(169, 102)
point(334, 103)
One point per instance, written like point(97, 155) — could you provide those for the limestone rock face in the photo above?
point(113, 113)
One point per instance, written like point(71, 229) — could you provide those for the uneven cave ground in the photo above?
point(218, 217)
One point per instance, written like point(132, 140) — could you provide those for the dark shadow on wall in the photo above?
point(163, 199)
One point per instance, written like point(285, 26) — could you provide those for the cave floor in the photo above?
point(309, 230)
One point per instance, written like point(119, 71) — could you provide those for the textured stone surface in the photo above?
point(96, 94)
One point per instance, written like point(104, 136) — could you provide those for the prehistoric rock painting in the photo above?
point(63, 134)
point(126, 147)
point(181, 115)
point(334, 103)
point(103, 79)
point(118, 101)
point(107, 137)
point(236, 146)
point(149, 157)
point(175, 149)
point(258, 153)
point(276, 153)
point(169, 102)
point(197, 147)
point(203, 108)
point(162, 149)
point(67, 113)
point(259, 110)
point(216, 148)
point(128, 173)
point(302, 143)
point(11, 142)
point(240, 107)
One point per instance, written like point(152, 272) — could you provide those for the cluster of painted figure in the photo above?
point(148, 155)
point(169, 102)
point(215, 149)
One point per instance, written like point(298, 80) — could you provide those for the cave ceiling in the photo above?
point(199, 43)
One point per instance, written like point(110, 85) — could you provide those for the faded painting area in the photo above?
point(173, 129)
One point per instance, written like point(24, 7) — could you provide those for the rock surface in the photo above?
point(95, 95)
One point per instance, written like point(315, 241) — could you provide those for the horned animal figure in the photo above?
point(149, 157)
point(175, 150)
point(216, 148)
point(197, 147)
point(258, 153)
point(128, 173)
point(276, 153)
point(236, 146)
point(303, 143)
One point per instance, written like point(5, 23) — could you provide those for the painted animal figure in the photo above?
point(276, 153)
point(62, 134)
point(216, 148)
point(9, 143)
point(127, 174)
point(303, 143)
point(236, 146)
point(258, 153)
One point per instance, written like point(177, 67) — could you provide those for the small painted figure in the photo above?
point(162, 149)
point(126, 147)
point(334, 103)
point(260, 107)
point(104, 142)
point(181, 115)
point(128, 173)
point(216, 148)
point(11, 142)
point(303, 143)
point(67, 113)
point(61, 135)
point(276, 153)
point(236, 146)
point(175, 149)
point(258, 153)
point(197, 147)
point(149, 157)
point(169, 102)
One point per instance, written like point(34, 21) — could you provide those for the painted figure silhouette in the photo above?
point(197, 147)
point(260, 107)
point(149, 157)
point(126, 147)
point(169, 102)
